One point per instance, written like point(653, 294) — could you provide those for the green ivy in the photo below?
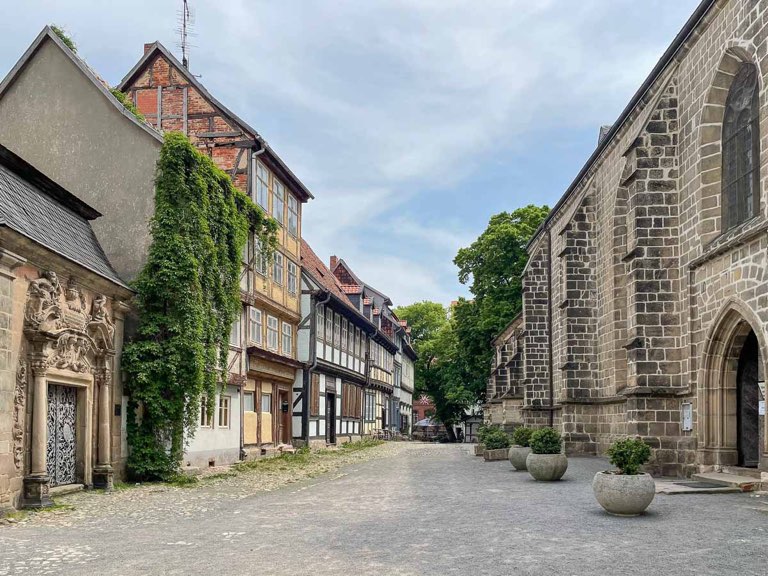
point(122, 97)
point(188, 296)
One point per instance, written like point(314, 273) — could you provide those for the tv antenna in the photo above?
point(186, 20)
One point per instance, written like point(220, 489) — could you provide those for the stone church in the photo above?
point(645, 304)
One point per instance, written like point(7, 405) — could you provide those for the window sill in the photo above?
point(730, 239)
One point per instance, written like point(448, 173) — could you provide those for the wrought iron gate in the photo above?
point(62, 437)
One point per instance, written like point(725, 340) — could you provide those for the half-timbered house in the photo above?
point(333, 344)
point(263, 360)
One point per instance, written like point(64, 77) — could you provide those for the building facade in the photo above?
point(333, 345)
point(262, 360)
point(62, 311)
point(504, 394)
point(645, 300)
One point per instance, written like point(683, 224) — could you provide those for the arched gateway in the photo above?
point(732, 430)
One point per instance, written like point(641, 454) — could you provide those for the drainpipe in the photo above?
point(311, 366)
point(549, 323)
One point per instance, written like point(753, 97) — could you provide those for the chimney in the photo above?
point(148, 47)
point(334, 261)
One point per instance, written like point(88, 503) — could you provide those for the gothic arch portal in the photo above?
point(717, 394)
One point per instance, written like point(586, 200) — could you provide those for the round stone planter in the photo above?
point(517, 456)
point(624, 494)
point(546, 467)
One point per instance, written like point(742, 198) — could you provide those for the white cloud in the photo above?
point(378, 104)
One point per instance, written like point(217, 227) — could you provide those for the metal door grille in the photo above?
point(62, 434)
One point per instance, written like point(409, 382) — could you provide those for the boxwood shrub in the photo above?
point(629, 454)
point(521, 436)
point(546, 441)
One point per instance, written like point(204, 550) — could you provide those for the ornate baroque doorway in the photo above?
point(62, 434)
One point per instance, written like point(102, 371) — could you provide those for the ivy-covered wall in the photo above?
point(188, 297)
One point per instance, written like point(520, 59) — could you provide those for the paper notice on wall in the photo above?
point(761, 386)
point(761, 408)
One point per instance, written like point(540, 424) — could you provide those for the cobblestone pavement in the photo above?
point(396, 509)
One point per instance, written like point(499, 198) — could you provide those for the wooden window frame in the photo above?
point(225, 404)
point(289, 335)
point(260, 323)
point(273, 330)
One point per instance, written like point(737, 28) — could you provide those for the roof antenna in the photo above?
point(186, 19)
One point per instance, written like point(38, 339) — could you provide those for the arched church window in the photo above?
point(741, 149)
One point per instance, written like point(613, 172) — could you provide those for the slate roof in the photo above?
point(34, 206)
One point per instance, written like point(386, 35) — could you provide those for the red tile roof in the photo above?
point(351, 289)
point(367, 301)
point(320, 272)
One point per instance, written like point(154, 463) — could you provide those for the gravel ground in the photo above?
point(401, 508)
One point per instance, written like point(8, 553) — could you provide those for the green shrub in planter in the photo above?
point(521, 436)
point(546, 441)
point(629, 454)
point(495, 438)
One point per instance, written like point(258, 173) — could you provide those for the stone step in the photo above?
point(743, 483)
point(741, 471)
point(65, 489)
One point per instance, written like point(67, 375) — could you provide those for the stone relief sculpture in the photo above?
point(43, 306)
point(58, 319)
point(19, 401)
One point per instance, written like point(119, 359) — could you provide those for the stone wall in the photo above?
point(642, 294)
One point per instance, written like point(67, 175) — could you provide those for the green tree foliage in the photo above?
point(187, 297)
point(64, 37)
point(629, 454)
point(492, 266)
point(435, 342)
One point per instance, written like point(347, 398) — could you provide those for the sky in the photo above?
point(411, 121)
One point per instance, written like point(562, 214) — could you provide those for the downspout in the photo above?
point(242, 386)
point(549, 325)
point(311, 366)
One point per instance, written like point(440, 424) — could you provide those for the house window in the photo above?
point(287, 339)
point(259, 258)
point(291, 277)
point(272, 332)
point(234, 334)
point(328, 327)
point(277, 269)
point(266, 403)
point(314, 396)
point(337, 331)
point(249, 402)
point(224, 411)
point(278, 201)
point(344, 334)
point(257, 325)
point(320, 325)
point(205, 415)
point(293, 216)
point(741, 149)
point(261, 189)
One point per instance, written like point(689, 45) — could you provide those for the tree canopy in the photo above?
point(454, 345)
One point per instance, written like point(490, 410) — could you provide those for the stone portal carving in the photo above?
point(19, 403)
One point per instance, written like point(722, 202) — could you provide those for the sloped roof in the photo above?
point(320, 272)
point(48, 35)
point(35, 206)
point(157, 48)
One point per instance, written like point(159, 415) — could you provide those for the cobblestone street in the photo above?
point(437, 510)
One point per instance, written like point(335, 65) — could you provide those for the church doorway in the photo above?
point(748, 403)
point(61, 457)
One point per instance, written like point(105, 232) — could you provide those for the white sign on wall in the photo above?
point(686, 416)
point(761, 408)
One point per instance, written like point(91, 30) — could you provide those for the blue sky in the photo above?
point(412, 121)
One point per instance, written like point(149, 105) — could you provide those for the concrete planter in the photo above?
point(479, 449)
point(494, 455)
point(546, 467)
point(517, 456)
point(624, 494)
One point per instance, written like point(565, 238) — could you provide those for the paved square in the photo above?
point(417, 509)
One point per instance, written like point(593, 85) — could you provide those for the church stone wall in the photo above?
point(641, 276)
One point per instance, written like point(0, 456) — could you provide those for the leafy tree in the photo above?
point(492, 266)
point(435, 342)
